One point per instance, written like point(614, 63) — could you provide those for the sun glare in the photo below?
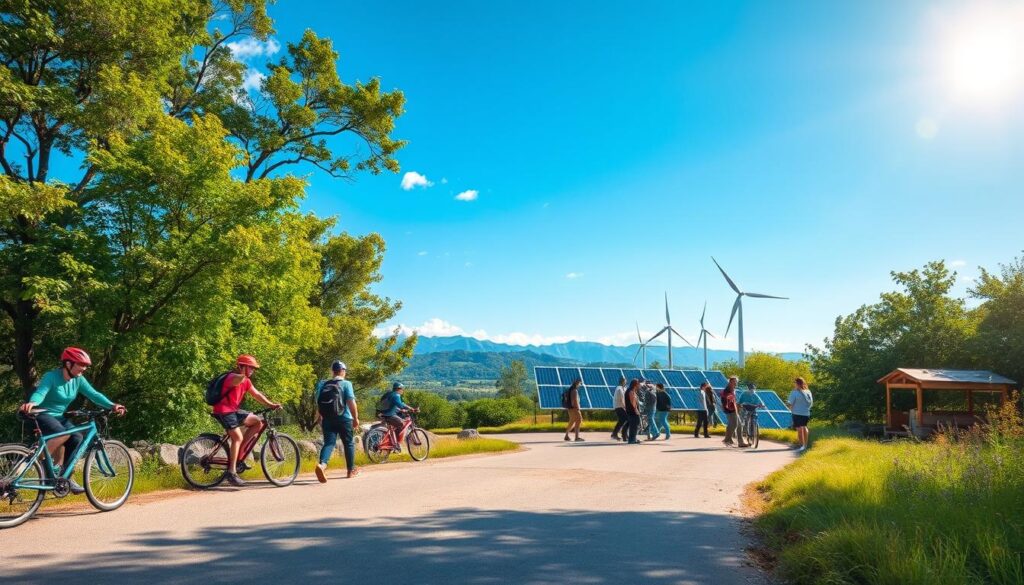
point(985, 57)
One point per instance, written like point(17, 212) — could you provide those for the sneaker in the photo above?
point(75, 488)
point(579, 440)
point(233, 479)
point(319, 471)
point(352, 472)
point(707, 436)
point(801, 449)
point(744, 445)
point(615, 437)
point(667, 437)
point(566, 438)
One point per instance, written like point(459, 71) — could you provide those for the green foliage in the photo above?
point(999, 342)
point(769, 371)
point(919, 326)
point(515, 381)
point(493, 412)
point(179, 244)
point(435, 411)
point(853, 511)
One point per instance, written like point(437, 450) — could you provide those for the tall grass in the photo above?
point(942, 512)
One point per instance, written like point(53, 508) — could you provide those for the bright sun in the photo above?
point(984, 60)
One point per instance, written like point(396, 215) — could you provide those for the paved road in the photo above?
point(594, 512)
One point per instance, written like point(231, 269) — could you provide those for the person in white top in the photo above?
point(619, 403)
point(799, 403)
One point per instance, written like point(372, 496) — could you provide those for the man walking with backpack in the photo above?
point(571, 404)
point(338, 415)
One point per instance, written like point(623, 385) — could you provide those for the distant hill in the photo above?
point(584, 352)
point(451, 367)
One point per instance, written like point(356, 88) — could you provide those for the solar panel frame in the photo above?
point(676, 379)
point(600, 397)
point(592, 377)
point(771, 400)
point(655, 377)
point(546, 375)
point(598, 386)
point(549, 396)
point(632, 374)
point(611, 376)
point(717, 378)
point(567, 376)
point(693, 377)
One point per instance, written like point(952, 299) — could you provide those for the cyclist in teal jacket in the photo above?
point(57, 389)
point(392, 409)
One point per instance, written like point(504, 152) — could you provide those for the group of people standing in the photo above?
point(642, 399)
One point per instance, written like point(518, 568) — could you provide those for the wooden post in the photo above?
point(888, 407)
point(920, 407)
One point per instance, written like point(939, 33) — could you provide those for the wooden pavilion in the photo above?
point(920, 423)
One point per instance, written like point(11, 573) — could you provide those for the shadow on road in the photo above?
point(452, 546)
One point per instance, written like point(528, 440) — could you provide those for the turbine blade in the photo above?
point(681, 336)
point(656, 335)
point(638, 332)
point(706, 333)
point(727, 279)
point(735, 307)
point(702, 313)
point(668, 320)
point(761, 296)
point(637, 354)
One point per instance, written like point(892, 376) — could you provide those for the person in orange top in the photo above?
point(228, 412)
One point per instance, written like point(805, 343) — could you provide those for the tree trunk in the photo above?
point(24, 344)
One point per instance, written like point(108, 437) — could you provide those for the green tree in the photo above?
point(999, 342)
point(655, 365)
point(918, 326)
point(493, 412)
point(513, 380)
point(769, 371)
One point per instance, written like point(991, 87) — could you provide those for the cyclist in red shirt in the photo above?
point(236, 385)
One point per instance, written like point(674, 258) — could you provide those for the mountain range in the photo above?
point(584, 352)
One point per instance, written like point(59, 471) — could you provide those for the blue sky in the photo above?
point(613, 148)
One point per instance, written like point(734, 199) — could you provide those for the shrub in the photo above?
point(493, 412)
point(435, 411)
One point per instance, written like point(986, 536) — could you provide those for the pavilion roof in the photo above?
point(973, 377)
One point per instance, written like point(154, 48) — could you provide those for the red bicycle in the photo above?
point(204, 459)
point(380, 441)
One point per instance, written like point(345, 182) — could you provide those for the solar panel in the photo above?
point(771, 400)
point(546, 375)
point(785, 419)
point(592, 376)
point(655, 377)
point(550, 396)
point(694, 377)
point(717, 379)
point(676, 379)
point(568, 375)
point(611, 376)
point(600, 397)
point(765, 420)
point(598, 385)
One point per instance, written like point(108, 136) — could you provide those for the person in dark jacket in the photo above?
point(632, 411)
point(704, 416)
point(729, 406)
point(663, 406)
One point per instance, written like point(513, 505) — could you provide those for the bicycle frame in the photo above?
point(386, 443)
point(244, 450)
point(92, 433)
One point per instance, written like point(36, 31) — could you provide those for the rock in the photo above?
point(467, 434)
point(136, 457)
point(308, 447)
point(168, 454)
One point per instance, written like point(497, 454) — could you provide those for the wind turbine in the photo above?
point(737, 307)
point(642, 348)
point(704, 335)
point(670, 330)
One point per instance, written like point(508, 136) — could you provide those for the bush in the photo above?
point(493, 412)
point(435, 411)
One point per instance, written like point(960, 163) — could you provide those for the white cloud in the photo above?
point(251, 47)
point(958, 263)
point(253, 79)
point(574, 275)
point(469, 195)
point(412, 179)
point(421, 253)
point(444, 180)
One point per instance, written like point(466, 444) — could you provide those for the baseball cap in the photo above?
point(338, 366)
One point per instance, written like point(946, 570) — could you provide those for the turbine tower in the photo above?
point(737, 307)
point(704, 335)
point(642, 348)
point(670, 330)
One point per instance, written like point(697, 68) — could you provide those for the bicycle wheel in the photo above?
point(280, 459)
point(18, 505)
point(418, 443)
point(204, 461)
point(109, 475)
point(755, 432)
point(371, 445)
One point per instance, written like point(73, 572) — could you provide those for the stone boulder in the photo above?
point(308, 447)
point(168, 454)
point(466, 434)
point(136, 457)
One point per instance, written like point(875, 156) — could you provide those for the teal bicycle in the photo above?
point(28, 473)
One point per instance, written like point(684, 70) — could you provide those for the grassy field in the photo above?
point(942, 512)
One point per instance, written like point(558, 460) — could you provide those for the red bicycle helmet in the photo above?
point(76, 355)
point(247, 360)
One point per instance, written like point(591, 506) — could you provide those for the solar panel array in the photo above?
point(598, 385)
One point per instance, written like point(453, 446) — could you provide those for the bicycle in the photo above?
point(204, 459)
point(108, 475)
point(749, 427)
point(380, 442)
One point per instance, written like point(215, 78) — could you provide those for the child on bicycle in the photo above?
point(57, 389)
point(392, 410)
